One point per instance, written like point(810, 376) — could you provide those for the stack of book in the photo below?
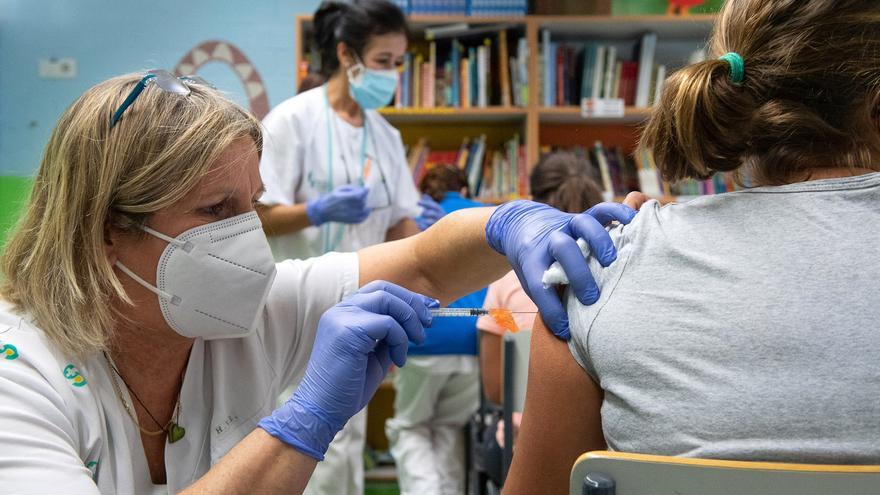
point(573, 71)
point(493, 175)
point(497, 7)
point(437, 7)
point(453, 74)
point(464, 7)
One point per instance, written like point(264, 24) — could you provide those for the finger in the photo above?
point(552, 311)
point(605, 213)
point(635, 200)
point(589, 229)
point(377, 329)
point(418, 302)
point(378, 364)
point(384, 303)
point(566, 251)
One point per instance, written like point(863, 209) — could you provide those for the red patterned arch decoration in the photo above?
point(222, 51)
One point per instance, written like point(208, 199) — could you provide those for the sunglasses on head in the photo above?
point(165, 81)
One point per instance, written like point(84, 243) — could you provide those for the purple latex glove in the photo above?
point(356, 343)
point(533, 235)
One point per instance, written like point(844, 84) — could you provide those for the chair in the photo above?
point(617, 473)
point(515, 363)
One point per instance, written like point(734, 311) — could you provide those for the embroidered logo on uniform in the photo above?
point(72, 374)
point(9, 352)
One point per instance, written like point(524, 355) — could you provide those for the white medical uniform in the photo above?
point(302, 137)
point(63, 428)
point(308, 150)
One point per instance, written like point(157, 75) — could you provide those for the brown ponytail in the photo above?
point(809, 99)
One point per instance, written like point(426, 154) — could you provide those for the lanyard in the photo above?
point(363, 156)
point(327, 228)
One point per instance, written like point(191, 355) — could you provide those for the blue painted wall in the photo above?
point(108, 38)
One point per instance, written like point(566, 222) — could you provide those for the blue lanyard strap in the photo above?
point(363, 154)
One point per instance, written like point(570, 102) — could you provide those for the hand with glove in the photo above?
point(533, 235)
point(431, 212)
point(356, 343)
point(345, 204)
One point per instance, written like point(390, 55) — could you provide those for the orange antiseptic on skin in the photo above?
point(504, 319)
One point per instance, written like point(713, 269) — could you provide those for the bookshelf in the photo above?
point(540, 126)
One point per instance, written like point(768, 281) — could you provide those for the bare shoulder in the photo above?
point(561, 419)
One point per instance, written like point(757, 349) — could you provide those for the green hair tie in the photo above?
point(737, 66)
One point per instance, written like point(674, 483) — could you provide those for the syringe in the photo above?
point(459, 312)
point(465, 312)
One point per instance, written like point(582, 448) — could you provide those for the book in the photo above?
point(549, 59)
point(646, 68)
point(598, 72)
point(522, 55)
point(417, 80)
point(455, 68)
point(660, 79)
point(503, 58)
point(610, 66)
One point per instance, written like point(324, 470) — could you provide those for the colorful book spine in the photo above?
point(455, 58)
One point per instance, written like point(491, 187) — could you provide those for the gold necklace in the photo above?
point(172, 428)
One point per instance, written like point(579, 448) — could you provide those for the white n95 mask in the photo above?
point(213, 280)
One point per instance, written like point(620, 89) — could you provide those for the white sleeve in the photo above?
point(38, 451)
point(302, 292)
point(281, 161)
point(405, 203)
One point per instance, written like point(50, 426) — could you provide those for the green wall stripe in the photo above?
point(14, 192)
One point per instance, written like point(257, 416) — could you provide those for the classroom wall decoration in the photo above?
point(221, 51)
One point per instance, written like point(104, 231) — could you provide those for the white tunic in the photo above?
point(63, 428)
point(308, 150)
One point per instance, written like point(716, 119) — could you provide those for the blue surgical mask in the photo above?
point(371, 88)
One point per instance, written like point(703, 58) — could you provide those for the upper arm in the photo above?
point(561, 418)
point(39, 452)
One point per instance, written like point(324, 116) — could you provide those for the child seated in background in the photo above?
point(742, 325)
point(562, 181)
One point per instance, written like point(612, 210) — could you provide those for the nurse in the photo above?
point(336, 175)
point(145, 330)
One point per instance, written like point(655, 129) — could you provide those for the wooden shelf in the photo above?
point(625, 27)
point(572, 115)
point(453, 114)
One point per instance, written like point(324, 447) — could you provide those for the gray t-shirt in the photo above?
point(743, 326)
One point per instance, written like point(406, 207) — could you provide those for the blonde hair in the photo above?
point(93, 177)
point(810, 97)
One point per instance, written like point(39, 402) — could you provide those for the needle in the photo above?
point(470, 312)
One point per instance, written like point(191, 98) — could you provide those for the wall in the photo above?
point(108, 38)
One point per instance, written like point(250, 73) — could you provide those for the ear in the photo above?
point(343, 55)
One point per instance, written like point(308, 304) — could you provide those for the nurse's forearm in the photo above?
point(447, 261)
point(283, 219)
point(258, 464)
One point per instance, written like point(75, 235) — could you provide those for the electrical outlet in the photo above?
point(58, 68)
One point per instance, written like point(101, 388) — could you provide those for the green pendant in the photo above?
point(175, 432)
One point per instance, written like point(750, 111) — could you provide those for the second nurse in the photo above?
point(335, 171)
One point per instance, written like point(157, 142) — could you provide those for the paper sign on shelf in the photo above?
point(602, 107)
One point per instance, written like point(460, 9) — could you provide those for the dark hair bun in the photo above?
point(353, 23)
